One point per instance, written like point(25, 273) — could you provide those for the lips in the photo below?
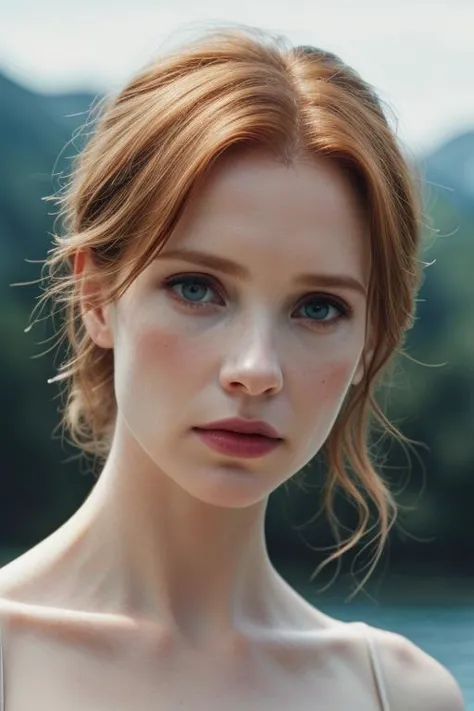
point(242, 426)
point(238, 444)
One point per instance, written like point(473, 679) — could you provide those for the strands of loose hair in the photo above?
point(234, 90)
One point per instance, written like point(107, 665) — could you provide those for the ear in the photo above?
point(359, 372)
point(366, 357)
point(95, 314)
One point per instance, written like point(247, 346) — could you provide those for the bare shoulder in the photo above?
point(413, 678)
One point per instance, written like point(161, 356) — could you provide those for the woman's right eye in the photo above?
point(190, 289)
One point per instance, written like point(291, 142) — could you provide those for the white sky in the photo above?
point(419, 54)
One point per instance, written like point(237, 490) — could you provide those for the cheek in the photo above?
point(334, 379)
point(163, 352)
point(156, 370)
point(169, 354)
point(321, 399)
point(158, 346)
point(325, 388)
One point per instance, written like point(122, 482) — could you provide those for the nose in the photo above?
point(251, 365)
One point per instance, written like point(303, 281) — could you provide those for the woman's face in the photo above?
point(245, 313)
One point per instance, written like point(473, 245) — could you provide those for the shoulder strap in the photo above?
point(376, 667)
point(2, 685)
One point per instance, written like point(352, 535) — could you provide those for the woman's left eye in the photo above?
point(317, 308)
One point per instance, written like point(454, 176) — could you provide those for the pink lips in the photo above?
point(237, 424)
point(238, 437)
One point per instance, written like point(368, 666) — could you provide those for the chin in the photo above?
point(229, 486)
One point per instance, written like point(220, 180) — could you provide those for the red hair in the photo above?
point(232, 90)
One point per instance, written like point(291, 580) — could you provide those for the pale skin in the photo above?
point(159, 592)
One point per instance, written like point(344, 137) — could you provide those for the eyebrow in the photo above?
point(230, 267)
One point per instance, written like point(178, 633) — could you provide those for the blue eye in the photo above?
point(318, 308)
point(190, 289)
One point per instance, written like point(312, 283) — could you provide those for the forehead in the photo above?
point(255, 207)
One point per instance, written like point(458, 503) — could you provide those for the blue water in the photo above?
point(446, 632)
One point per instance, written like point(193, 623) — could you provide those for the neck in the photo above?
point(143, 547)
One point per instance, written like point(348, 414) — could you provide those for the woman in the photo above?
point(239, 264)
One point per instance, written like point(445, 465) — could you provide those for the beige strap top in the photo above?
point(2, 685)
point(376, 667)
point(374, 661)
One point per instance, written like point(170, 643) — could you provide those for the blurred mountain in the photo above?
point(34, 131)
point(451, 169)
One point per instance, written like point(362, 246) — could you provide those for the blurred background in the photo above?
point(57, 58)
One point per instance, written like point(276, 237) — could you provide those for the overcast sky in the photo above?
point(419, 54)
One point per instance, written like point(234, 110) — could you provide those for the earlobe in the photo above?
point(360, 371)
point(365, 357)
point(95, 314)
point(97, 325)
point(358, 375)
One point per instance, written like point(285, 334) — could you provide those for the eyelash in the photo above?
point(344, 310)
